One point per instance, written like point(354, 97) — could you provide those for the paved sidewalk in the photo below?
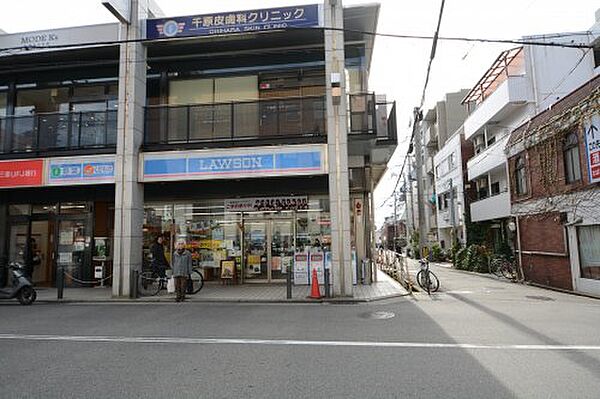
point(384, 288)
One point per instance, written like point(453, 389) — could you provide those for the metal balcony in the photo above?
point(266, 121)
point(50, 133)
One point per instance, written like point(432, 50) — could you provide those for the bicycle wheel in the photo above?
point(197, 280)
point(434, 282)
point(507, 271)
point(421, 279)
point(149, 284)
point(496, 267)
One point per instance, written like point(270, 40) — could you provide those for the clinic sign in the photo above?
point(304, 16)
point(72, 171)
point(226, 164)
point(591, 128)
point(29, 173)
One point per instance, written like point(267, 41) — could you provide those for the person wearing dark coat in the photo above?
point(159, 260)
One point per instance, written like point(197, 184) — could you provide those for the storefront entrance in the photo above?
point(46, 240)
point(269, 248)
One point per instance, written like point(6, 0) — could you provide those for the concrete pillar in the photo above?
point(337, 150)
point(129, 194)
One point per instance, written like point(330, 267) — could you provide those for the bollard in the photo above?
point(289, 282)
point(60, 282)
point(133, 284)
point(326, 282)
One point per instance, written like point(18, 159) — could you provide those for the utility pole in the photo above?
point(452, 215)
point(395, 220)
point(419, 165)
point(412, 202)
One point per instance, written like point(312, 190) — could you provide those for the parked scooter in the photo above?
point(20, 287)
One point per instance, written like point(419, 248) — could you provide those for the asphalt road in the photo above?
point(477, 338)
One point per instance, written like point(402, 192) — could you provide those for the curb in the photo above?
point(226, 300)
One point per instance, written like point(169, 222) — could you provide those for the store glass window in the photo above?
point(19, 209)
point(589, 251)
point(3, 104)
point(41, 209)
point(35, 101)
point(158, 221)
point(313, 226)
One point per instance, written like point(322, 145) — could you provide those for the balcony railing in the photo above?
point(41, 133)
point(262, 120)
point(238, 121)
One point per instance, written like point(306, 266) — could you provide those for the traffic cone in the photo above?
point(315, 293)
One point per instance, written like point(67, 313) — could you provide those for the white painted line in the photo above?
point(286, 342)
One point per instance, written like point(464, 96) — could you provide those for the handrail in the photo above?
point(258, 100)
point(56, 131)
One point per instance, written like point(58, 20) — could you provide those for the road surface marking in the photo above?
point(287, 342)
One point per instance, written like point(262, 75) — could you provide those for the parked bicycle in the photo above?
point(503, 267)
point(426, 279)
point(153, 284)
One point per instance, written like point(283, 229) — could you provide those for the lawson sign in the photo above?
point(240, 163)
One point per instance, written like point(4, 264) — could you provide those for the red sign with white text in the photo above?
point(21, 173)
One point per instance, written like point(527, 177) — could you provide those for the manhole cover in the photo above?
point(378, 315)
point(539, 298)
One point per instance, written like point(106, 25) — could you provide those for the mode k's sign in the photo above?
point(22, 173)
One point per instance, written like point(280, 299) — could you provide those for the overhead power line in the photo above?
point(369, 33)
point(417, 110)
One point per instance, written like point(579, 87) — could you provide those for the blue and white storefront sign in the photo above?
point(304, 16)
point(80, 170)
point(234, 163)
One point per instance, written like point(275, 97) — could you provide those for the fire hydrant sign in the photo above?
point(22, 173)
point(592, 145)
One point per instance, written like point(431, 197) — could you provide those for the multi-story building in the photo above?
point(554, 164)
point(248, 135)
point(520, 83)
point(453, 196)
point(437, 126)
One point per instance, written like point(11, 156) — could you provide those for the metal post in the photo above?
point(289, 281)
point(60, 281)
point(133, 290)
point(326, 282)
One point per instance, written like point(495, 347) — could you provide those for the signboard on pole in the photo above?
point(591, 134)
point(304, 16)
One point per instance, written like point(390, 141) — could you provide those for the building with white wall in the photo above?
point(452, 195)
point(520, 83)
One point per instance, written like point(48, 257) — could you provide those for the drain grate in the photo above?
point(380, 315)
point(539, 298)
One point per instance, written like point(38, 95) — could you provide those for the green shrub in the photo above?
point(473, 258)
point(437, 255)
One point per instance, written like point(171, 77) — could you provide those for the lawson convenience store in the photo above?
point(264, 208)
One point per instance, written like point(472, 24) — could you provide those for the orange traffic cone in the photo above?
point(315, 293)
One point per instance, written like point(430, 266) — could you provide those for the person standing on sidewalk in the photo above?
point(159, 261)
point(182, 268)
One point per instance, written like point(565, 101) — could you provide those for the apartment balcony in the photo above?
point(512, 93)
point(494, 207)
point(51, 134)
point(487, 160)
point(291, 120)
